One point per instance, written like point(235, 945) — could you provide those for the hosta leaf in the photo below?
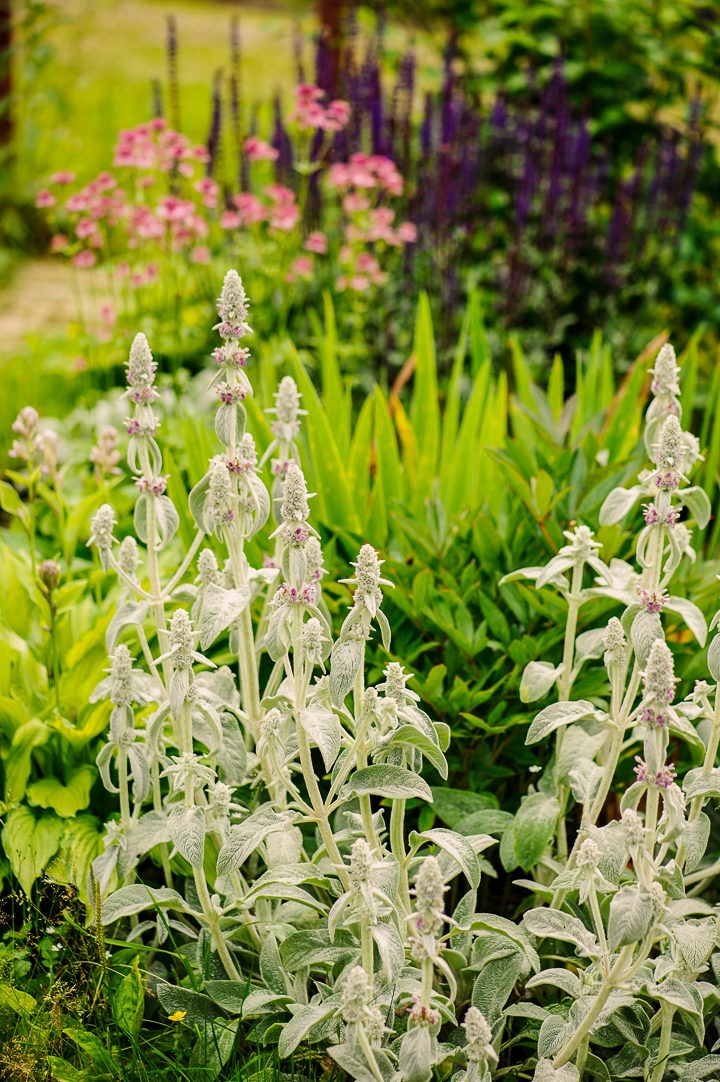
point(65, 799)
point(556, 715)
point(631, 914)
point(29, 843)
point(392, 782)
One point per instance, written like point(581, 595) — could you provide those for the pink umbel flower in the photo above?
point(258, 150)
point(64, 176)
point(201, 254)
point(85, 260)
point(316, 242)
point(311, 113)
point(44, 199)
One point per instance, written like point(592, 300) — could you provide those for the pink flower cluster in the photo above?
point(312, 114)
point(366, 172)
point(153, 146)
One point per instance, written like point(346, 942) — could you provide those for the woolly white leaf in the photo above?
point(537, 679)
point(393, 782)
point(220, 609)
point(618, 503)
point(553, 924)
point(630, 916)
point(555, 715)
point(186, 827)
point(323, 728)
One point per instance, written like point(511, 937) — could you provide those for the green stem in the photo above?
point(397, 846)
point(615, 975)
point(668, 1012)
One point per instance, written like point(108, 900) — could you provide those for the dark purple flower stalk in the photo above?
point(214, 139)
point(172, 69)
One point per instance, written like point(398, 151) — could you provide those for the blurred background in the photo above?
point(557, 161)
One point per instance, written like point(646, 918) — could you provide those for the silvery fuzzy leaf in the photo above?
point(557, 566)
point(549, 923)
point(527, 1010)
point(261, 499)
point(385, 631)
point(698, 504)
point(213, 1047)
point(167, 520)
point(348, 1059)
point(129, 613)
point(407, 736)
point(713, 658)
point(271, 969)
point(417, 1055)
point(278, 891)
point(590, 644)
point(698, 782)
point(552, 1036)
point(558, 978)
point(234, 997)
point(487, 821)
point(390, 948)
point(691, 614)
point(198, 1008)
point(261, 578)
point(197, 503)
point(313, 947)
point(392, 782)
point(537, 679)
point(232, 765)
point(305, 1017)
point(277, 636)
point(186, 827)
point(533, 827)
point(500, 966)
point(177, 692)
point(695, 940)
point(345, 661)
point(680, 726)
point(630, 916)
point(230, 421)
point(220, 608)
point(557, 714)
point(707, 1067)
point(581, 741)
point(139, 771)
point(458, 847)
point(645, 629)
point(513, 934)
point(133, 899)
point(521, 573)
point(150, 830)
point(219, 687)
point(618, 504)
point(695, 839)
point(545, 1072)
point(585, 778)
point(283, 849)
point(323, 728)
point(245, 837)
point(103, 868)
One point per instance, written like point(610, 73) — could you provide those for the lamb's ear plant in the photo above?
point(275, 808)
point(635, 1001)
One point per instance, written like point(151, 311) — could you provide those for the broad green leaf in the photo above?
point(533, 827)
point(556, 715)
point(392, 782)
point(128, 1001)
point(29, 843)
point(67, 800)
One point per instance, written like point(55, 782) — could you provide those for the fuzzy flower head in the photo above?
point(208, 570)
point(659, 677)
point(429, 891)
point(632, 828)
point(219, 494)
point(141, 367)
point(233, 307)
point(368, 580)
point(312, 641)
point(355, 990)
point(582, 543)
point(121, 676)
point(361, 864)
point(295, 507)
point(478, 1037)
point(286, 425)
point(105, 454)
point(669, 447)
point(128, 555)
point(182, 640)
point(102, 525)
point(615, 643)
point(588, 854)
point(665, 383)
point(395, 684)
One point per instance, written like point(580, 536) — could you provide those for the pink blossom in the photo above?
point(354, 203)
point(250, 208)
point(285, 217)
point(407, 232)
point(258, 150)
point(316, 242)
point(80, 364)
point(85, 259)
point(77, 203)
point(209, 191)
point(230, 219)
point(108, 314)
point(337, 115)
point(85, 228)
point(279, 193)
point(302, 267)
point(58, 243)
point(201, 254)
point(45, 198)
point(62, 177)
